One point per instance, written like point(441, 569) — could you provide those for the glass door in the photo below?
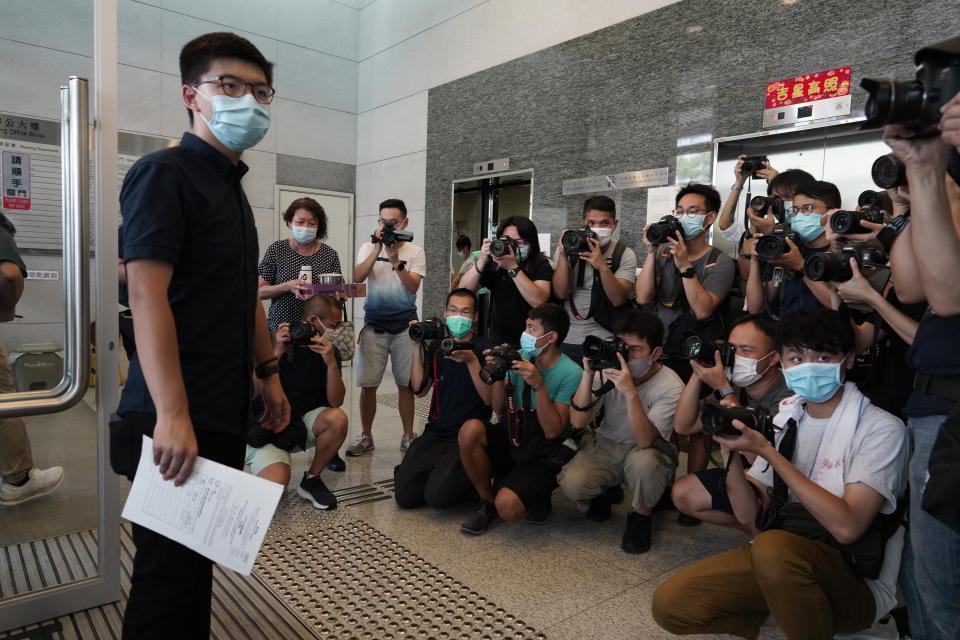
point(59, 501)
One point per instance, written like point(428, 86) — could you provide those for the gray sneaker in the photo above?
point(39, 482)
point(406, 441)
point(360, 446)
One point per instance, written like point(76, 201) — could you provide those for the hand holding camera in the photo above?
point(503, 251)
point(856, 290)
point(575, 242)
point(950, 122)
point(779, 247)
point(748, 429)
point(715, 375)
point(658, 232)
point(499, 360)
point(620, 377)
point(324, 348)
point(529, 372)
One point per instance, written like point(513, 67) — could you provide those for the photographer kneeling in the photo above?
point(431, 472)
point(513, 464)
point(633, 426)
point(310, 376)
point(755, 381)
point(823, 504)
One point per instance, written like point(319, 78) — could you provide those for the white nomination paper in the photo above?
point(219, 512)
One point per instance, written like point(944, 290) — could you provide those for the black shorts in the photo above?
point(519, 468)
point(712, 481)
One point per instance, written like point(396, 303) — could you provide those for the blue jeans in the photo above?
point(930, 571)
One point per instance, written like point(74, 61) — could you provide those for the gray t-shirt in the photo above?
point(771, 399)
point(580, 329)
point(658, 395)
point(716, 277)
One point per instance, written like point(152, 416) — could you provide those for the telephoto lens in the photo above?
point(848, 222)
point(502, 246)
point(718, 421)
point(752, 164)
point(575, 241)
point(501, 358)
point(427, 330)
point(888, 172)
point(831, 266)
point(668, 227)
point(602, 352)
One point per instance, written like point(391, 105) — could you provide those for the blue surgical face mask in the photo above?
point(303, 235)
point(692, 226)
point(815, 381)
point(807, 226)
point(528, 344)
point(459, 326)
point(239, 123)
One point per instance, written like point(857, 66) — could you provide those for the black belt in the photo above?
point(947, 387)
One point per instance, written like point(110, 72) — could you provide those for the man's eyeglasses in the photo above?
point(690, 211)
point(807, 208)
point(237, 88)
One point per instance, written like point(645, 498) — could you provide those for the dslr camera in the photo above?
point(696, 347)
point(667, 227)
point(871, 198)
point(718, 421)
point(449, 345)
point(390, 234)
point(760, 203)
point(503, 246)
point(301, 333)
point(502, 358)
point(575, 241)
point(427, 330)
point(834, 266)
point(752, 164)
point(848, 222)
point(602, 352)
point(888, 172)
point(916, 103)
point(771, 246)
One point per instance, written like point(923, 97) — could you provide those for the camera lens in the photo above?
point(870, 198)
point(888, 172)
point(692, 346)
point(758, 203)
point(845, 222)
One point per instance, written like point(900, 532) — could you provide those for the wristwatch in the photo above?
point(722, 393)
point(513, 272)
point(399, 267)
point(689, 272)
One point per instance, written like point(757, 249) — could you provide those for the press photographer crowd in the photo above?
point(819, 368)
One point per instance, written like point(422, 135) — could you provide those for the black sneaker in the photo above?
point(614, 494)
point(599, 510)
point(687, 521)
point(481, 519)
point(314, 490)
point(336, 463)
point(636, 537)
point(541, 514)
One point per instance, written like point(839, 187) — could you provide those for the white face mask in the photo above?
point(639, 366)
point(744, 371)
point(603, 234)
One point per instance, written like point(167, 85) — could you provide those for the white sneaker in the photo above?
point(406, 441)
point(40, 482)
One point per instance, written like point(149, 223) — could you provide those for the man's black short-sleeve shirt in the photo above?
point(454, 399)
point(185, 205)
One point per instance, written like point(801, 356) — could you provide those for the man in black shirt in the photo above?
point(310, 376)
point(190, 249)
point(431, 472)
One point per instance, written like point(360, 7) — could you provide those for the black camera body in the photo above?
point(667, 227)
point(449, 345)
point(752, 164)
point(916, 103)
point(760, 204)
point(834, 266)
point(718, 421)
point(696, 347)
point(502, 358)
point(771, 246)
point(575, 241)
point(602, 352)
point(888, 172)
point(848, 222)
point(301, 333)
point(500, 247)
point(428, 330)
point(390, 234)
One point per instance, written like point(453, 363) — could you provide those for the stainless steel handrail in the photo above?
point(75, 175)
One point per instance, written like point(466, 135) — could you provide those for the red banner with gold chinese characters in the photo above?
point(808, 88)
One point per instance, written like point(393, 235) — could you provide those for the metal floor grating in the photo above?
point(348, 580)
point(363, 493)
point(421, 406)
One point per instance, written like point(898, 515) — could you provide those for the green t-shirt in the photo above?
point(562, 380)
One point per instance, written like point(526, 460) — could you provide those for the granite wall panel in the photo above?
point(618, 99)
point(295, 171)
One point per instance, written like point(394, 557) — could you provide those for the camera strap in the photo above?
point(426, 370)
point(576, 265)
point(514, 415)
point(605, 388)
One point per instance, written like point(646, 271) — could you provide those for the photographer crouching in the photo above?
point(633, 414)
point(431, 472)
point(309, 366)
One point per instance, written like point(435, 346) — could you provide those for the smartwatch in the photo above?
point(722, 393)
point(513, 272)
point(689, 272)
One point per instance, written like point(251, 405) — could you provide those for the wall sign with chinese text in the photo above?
point(16, 181)
point(615, 182)
point(824, 94)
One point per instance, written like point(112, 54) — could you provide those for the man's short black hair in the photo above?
point(463, 292)
point(463, 240)
point(711, 195)
point(761, 321)
point(600, 203)
point(393, 203)
point(198, 54)
point(317, 306)
point(643, 324)
point(826, 192)
point(789, 181)
point(823, 330)
point(553, 318)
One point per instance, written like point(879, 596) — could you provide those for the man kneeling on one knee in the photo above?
point(633, 416)
point(431, 472)
point(822, 505)
point(310, 376)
